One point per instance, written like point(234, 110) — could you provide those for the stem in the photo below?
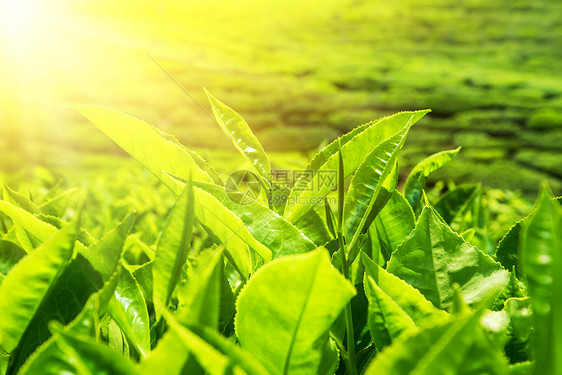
point(351, 362)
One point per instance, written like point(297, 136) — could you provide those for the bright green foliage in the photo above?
point(521, 327)
point(27, 284)
point(394, 223)
point(434, 257)
point(63, 302)
point(214, 353)
point(296, 299)
point(416, 180)
point(508, 251)
point(200, 299)
point(89, 357)
point(230, 230)
point(452, 204)
point(409, 299)
point(242, 136)
point(40, 229)
point(354, 147)
point(456, 346)
point(10, 254)
point(387, 320)
point(128, 309)
point(362, 199)
point(49, 358)
point(513, 289)
point(270, 229)
point(226, 285)
point(19, 200)
point(104, 255)
point(172, 249)
point(157, 151)
point(541, 241)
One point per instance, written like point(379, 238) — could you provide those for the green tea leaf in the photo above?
point(128, 309)
point(89, 357)
point(416, 180)
point(508, 252)
point(394, 222)
point(56, 206)
point(521, 328)
point(64, 301)
point(314, 228)
point(19, 200)
point(541, 253)
point(285, 311)
point(366, 184)
point(171, 356)
point(143, 275)
point(172, 249)
point(409, 299)
point(157, 151)
point(354, 146)
point(214, 353)
point(524, 368)
point(387, 320)
point(10, 255)
point(104, 255)
point(28, 282)
point(434, 257)
point(242, 136)
point(452, 204)
point(514, 288)
point(28, 221)
point(49, 358)
point(200, 297)
point(267, 227)
point(229, 230)
point(457, 346)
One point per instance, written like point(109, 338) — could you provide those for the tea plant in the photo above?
point(382, 281)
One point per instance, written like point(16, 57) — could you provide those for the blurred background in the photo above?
point(300, 72)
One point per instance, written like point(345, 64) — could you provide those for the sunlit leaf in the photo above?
point(354, 146)
point(285, 311)
point(104, 255)
point(235, 127)
point(19, 200)
point(128, 309)
point(90, 357)
point(434, 257)
point(64, 300)
point(229, 230)
point(387, 320)
point(27, 284)
point(267, 227)
point(361, 201)
point(456, 346)
point(200, 297)
point(541, 248)
point(157, 151)
point(394, 222)
point(409, 299)
point(508, 250)
point(10, 255)
point(172, 249)
point(416, 179)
